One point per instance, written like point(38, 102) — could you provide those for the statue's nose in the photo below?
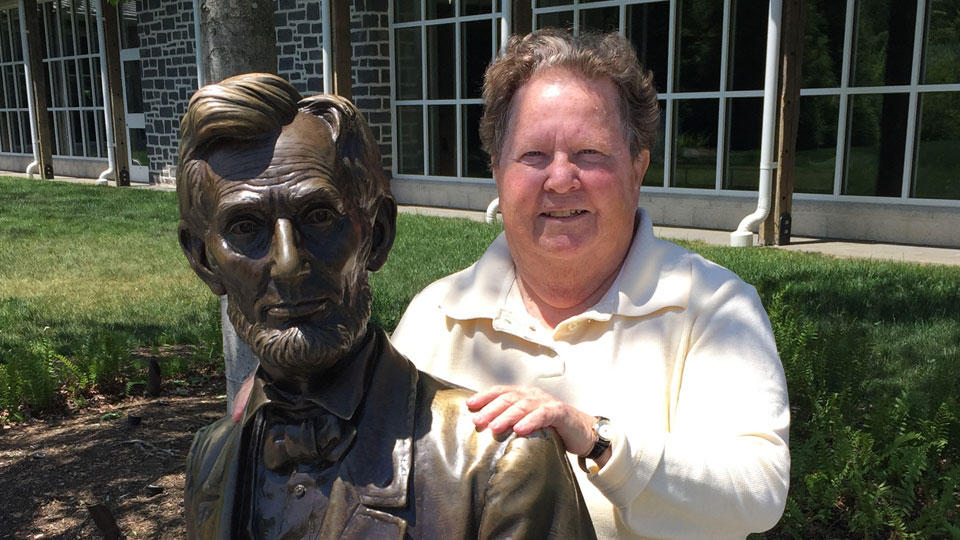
point(287, 262)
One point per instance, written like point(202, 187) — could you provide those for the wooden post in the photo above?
point(342, 48)
point(38, 87)
point(111, 40)
point(776, 229)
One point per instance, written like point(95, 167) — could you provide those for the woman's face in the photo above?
point(568, 186)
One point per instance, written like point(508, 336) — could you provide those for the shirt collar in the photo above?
point(340, 392)
point(656, 274)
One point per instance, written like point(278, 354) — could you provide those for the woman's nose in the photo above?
point(562, 175)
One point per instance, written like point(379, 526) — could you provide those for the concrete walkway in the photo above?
point(834, 248)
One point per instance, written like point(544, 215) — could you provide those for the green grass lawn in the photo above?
point(871, 349)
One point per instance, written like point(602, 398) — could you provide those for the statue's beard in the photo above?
point(305, 348)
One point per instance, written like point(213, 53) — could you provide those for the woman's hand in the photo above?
point(526, 409)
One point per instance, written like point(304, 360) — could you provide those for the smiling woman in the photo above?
point(577, 307)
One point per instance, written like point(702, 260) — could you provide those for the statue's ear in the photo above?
point(384, 231)
point(196, 251)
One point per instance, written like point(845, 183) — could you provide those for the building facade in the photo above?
point(877, 152)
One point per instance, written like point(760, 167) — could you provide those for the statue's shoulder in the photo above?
point(209, 443)
point(448, 403)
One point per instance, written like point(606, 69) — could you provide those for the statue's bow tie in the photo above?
point(321, 439)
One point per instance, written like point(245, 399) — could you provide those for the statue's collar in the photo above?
point(340, 392)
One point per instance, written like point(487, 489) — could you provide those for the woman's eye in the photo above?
point(533, 156)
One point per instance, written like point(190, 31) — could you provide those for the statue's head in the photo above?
point(284, 207)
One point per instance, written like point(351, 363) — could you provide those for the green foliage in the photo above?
point(869, 348)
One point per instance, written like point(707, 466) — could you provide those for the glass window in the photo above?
point(648, 27)
point(439, 9)
point(131, 75)
point(600, 19)
point(477, 46)
point(138, 147)
point(699, 47)
point(475, 7)
point(443, 140)
point(476, 162)
point(441, 62)
point(409, 63)
point(654, 176)
point(883, 54)
point(5, 135)
point(748, 58)
point(406, 10)
point(410, 139)
point(816, 152)
point(14, 119)
point(742, 160)
point(448, 85)
point(695, 155)
point(558, 19)
point(875, 151)
point(6, 50)
point(823, 44)
point(129, 36)
point(938, 158)
point(552, 3)
point(941, 52)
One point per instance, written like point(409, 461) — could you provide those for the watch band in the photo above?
point(599, 447)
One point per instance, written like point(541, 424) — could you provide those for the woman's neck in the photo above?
point(562, 293)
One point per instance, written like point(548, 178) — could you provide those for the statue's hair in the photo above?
point(255, 105)
point(594, 56)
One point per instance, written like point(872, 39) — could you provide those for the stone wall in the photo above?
point(169, 77)
point(169, 71)
point(370, 35)
point(299, 40)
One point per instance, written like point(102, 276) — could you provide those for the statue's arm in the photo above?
point(533, 494)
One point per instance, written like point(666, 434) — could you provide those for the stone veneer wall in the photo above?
point(169, 77)
point(169, 71)
point(370, 35)
point(300, 59)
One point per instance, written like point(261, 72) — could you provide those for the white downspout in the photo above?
point(326, 48)
point(743, 236)
point(505, 23)
point(31, 108)
point(104, 83)
point(492, 210)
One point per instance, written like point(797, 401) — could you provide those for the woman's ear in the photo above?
point(195, 250)
point(384, 232)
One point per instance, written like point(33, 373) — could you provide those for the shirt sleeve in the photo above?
point(722, 468)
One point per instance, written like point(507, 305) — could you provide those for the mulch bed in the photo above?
point(52, 470)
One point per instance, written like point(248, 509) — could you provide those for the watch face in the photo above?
point(605, 430)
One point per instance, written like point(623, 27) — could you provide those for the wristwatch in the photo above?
point(604, 432)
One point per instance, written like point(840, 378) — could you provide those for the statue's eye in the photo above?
point(319, 216)
point(244, 233)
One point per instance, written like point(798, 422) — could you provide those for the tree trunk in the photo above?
point(237, 36)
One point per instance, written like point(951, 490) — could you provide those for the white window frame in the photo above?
point(670, 97)
point(59, 96)
point(499, 12)
point(14, 115)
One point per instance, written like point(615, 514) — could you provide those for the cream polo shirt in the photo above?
point(679, 354)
